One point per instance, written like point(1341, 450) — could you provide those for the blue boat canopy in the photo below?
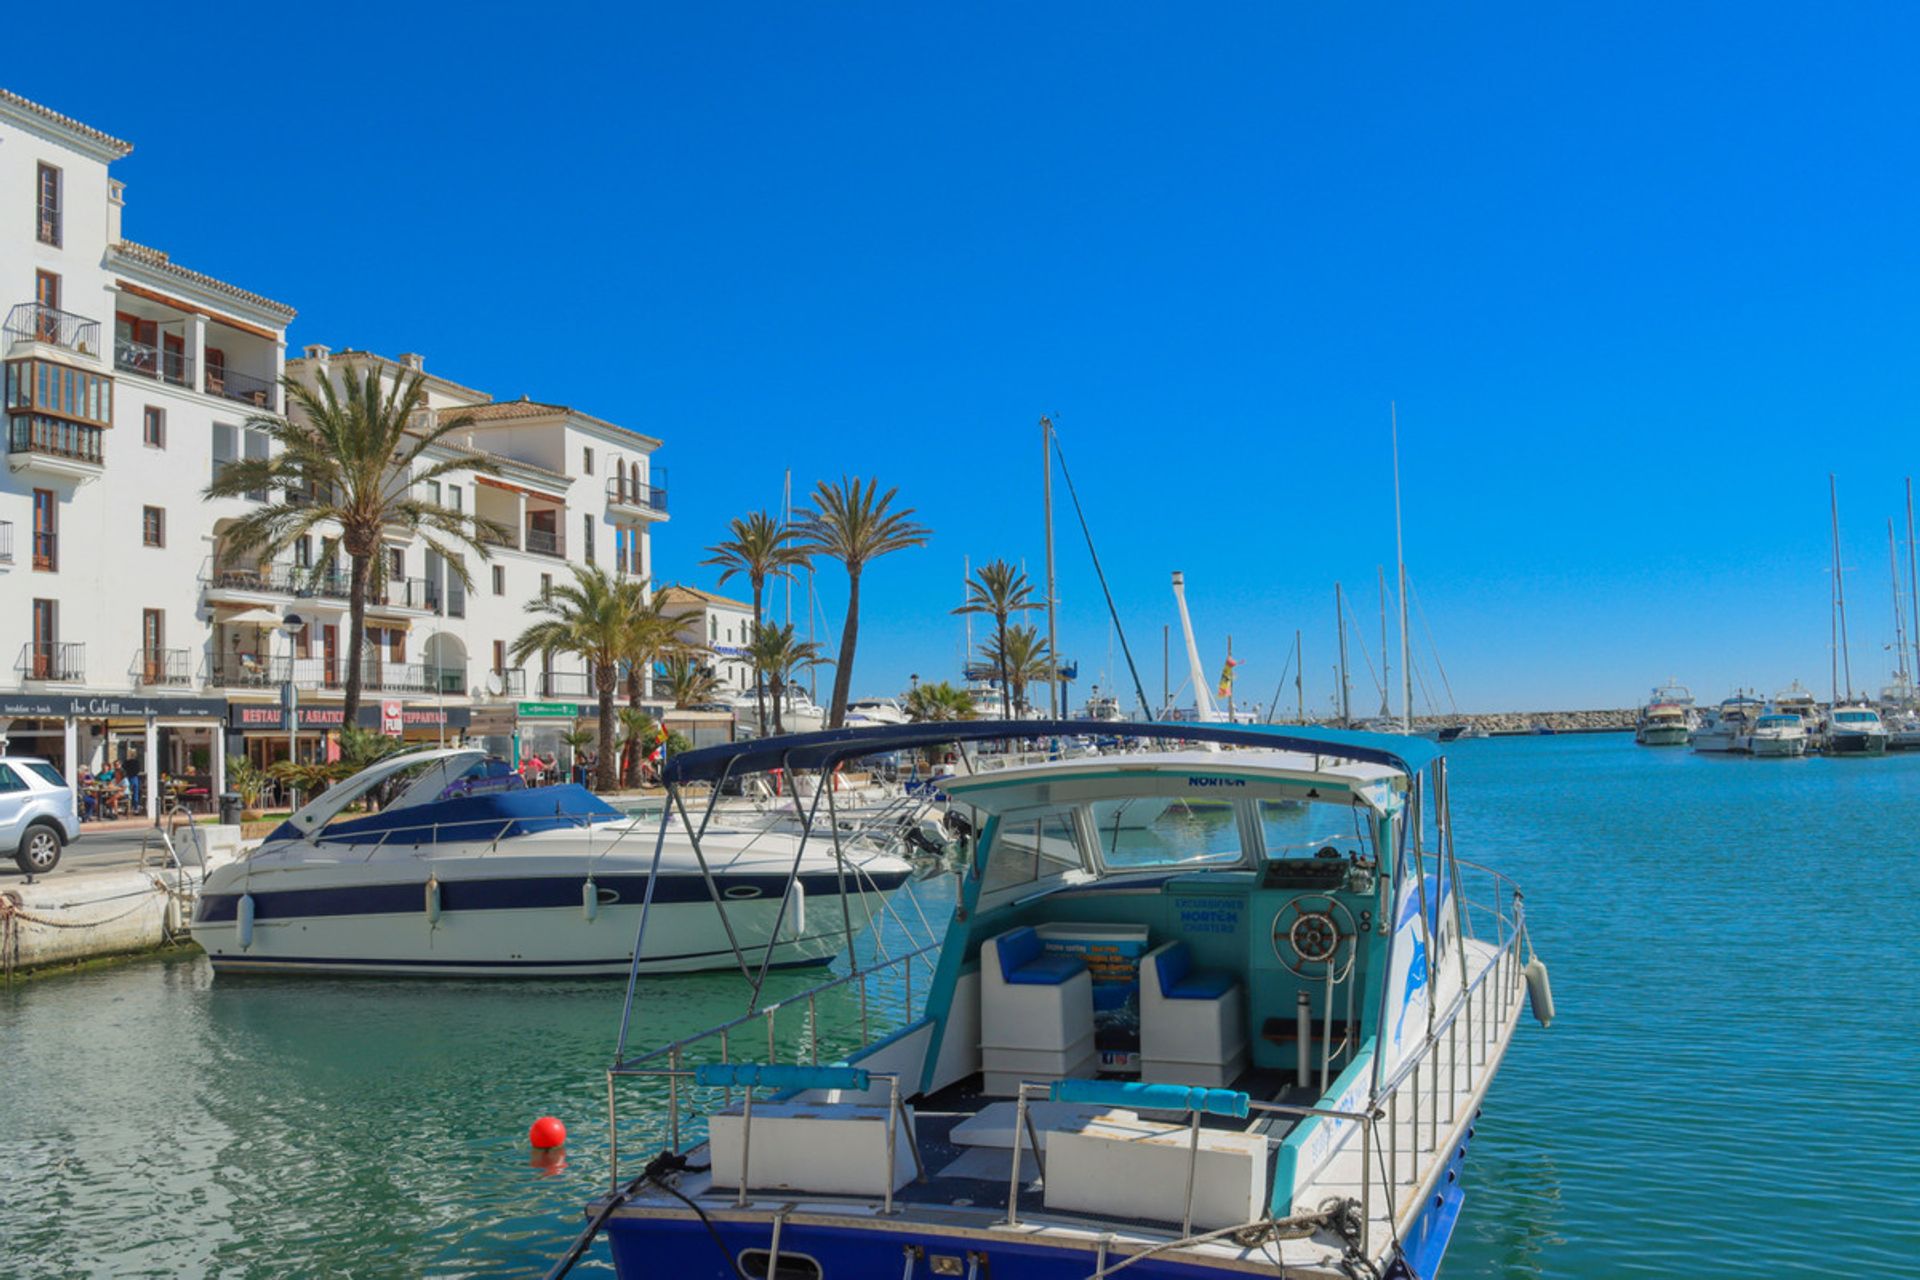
point(480, 817)
point(824, 750)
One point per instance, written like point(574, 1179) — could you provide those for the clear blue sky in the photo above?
point(1638, 276)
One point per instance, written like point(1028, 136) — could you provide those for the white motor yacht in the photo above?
point(1777, 733)
point(862, 712)
point(1855, 729)
point(1668, 719)
point(1725, 727)
point(468, 873)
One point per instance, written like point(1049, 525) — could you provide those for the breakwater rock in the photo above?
point(1506, 722)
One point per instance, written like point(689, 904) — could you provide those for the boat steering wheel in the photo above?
point(1310, 934)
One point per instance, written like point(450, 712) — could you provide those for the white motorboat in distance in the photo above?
point(1855, 730)
point(1778, 733)
point(467, 873)
point(1668, 719)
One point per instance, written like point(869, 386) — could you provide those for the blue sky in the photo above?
point(1637, 276)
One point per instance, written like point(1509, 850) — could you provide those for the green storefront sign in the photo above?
point(549, 711)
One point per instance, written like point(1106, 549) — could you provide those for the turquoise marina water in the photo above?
point(1732, 952)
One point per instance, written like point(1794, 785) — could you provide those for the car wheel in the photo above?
point(39, 850)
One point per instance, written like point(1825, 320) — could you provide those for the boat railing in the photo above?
point(887, 1003)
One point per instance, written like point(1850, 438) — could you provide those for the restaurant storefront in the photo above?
point(263, 729)
point(159, 745)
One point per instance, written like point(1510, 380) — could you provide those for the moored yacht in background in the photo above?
point(1777, 733)
point(1854, 729)
point(1725, 727)
point(1668, 718)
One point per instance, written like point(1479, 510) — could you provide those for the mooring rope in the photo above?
point(13, 914)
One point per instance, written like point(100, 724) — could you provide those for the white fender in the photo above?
point(433, 899)
point(797, 912)
point(589, 899)
point(1539, 991)
point(244, 921)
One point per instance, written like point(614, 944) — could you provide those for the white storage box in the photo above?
point(1139, 1170)
point(831, 1148)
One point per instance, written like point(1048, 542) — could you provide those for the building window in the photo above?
point(713, 629)
point(48, 206)
point(153, 645)
point(546, 586)
point(455, 499)
point(433, 492)
point(586, 461)
point(153, 527)
point(499, 655)
point(586, 529)
point(46, 531)
point(303, 551)
point(396, 564)
point(46, 639)
point(499, 580)
point(153, 426)
point(256, 446)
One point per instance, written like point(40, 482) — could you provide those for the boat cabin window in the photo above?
point(1854, 717)
point(1155, 831)
point(1031, 847)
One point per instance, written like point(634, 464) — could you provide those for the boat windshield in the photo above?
point(1147, 833)
point(1777, 722)
point(1855, 717)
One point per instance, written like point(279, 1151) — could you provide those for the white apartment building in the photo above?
point(723, 626)
point(129, 380)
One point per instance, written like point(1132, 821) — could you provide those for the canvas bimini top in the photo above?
point(824, 750)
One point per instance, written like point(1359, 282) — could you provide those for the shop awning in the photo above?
point(254, 615)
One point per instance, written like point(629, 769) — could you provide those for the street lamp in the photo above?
point(291, 624)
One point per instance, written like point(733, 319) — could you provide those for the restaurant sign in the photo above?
point(113, 706)
point(254, 715)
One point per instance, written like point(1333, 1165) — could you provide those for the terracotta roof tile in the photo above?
point(157, 260)
point(116, 145)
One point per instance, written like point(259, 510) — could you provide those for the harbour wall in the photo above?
point(1511, 722)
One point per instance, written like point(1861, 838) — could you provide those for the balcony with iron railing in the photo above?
point(53, 660)
point(637, 494)
point(566, 684)
point(159, 363)
point(546, 542)
point(158, 667)
point(245, 388)
point(277, 579)
point(507, 682)
point(36, 322)
point(54, 444)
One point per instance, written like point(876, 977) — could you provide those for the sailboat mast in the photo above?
point(1053, 637)
point(1299, 677)
point(966, 594)
point(1839, 584)
point(1386, 668)
point(1340, 626)
point(1913, 579)
point(1400, 559)
point(786, 522)
point(1899, 622)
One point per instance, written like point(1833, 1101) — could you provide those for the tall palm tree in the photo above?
point(652, 634)
point(854, 524)
point(761, 548)
point(940, 701)
point(588, 617)
point(1025, 658)
point(776, 652)
point(351, 459)
point(999, 589)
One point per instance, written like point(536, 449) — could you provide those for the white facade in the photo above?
point(130, 380)
point(723, 626)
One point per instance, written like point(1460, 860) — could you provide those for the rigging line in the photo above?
point(1359, 637)
point(1139, 689)
point(1281, 688)
point(1413, 594)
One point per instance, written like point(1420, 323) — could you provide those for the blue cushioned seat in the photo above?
point(1024, 962)
point(1180, 981)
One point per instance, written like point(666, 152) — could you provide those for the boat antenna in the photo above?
point(1203, 708)
point(1400, 558)
point(1839, 584)
point(1053, 637)
point(1299, 678)
point(1346, 687)
point(1139, 689)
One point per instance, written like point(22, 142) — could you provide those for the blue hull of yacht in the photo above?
point(683, 1248)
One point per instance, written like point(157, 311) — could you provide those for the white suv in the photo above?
point(38, 817)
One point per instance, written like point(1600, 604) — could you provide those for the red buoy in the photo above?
point(547, 1133)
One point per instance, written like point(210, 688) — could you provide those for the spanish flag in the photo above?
point(1226, 677)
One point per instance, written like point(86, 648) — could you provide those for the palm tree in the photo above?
point(636, 737)
point(588, 617)
point(577, 740)
point(1025, 658)
point(776, 652)
point(688, 682)
point(939, 701)
point(851, 525)
point(999, 589)
point(652, 635)
point(353, 463)
point(761, 548)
